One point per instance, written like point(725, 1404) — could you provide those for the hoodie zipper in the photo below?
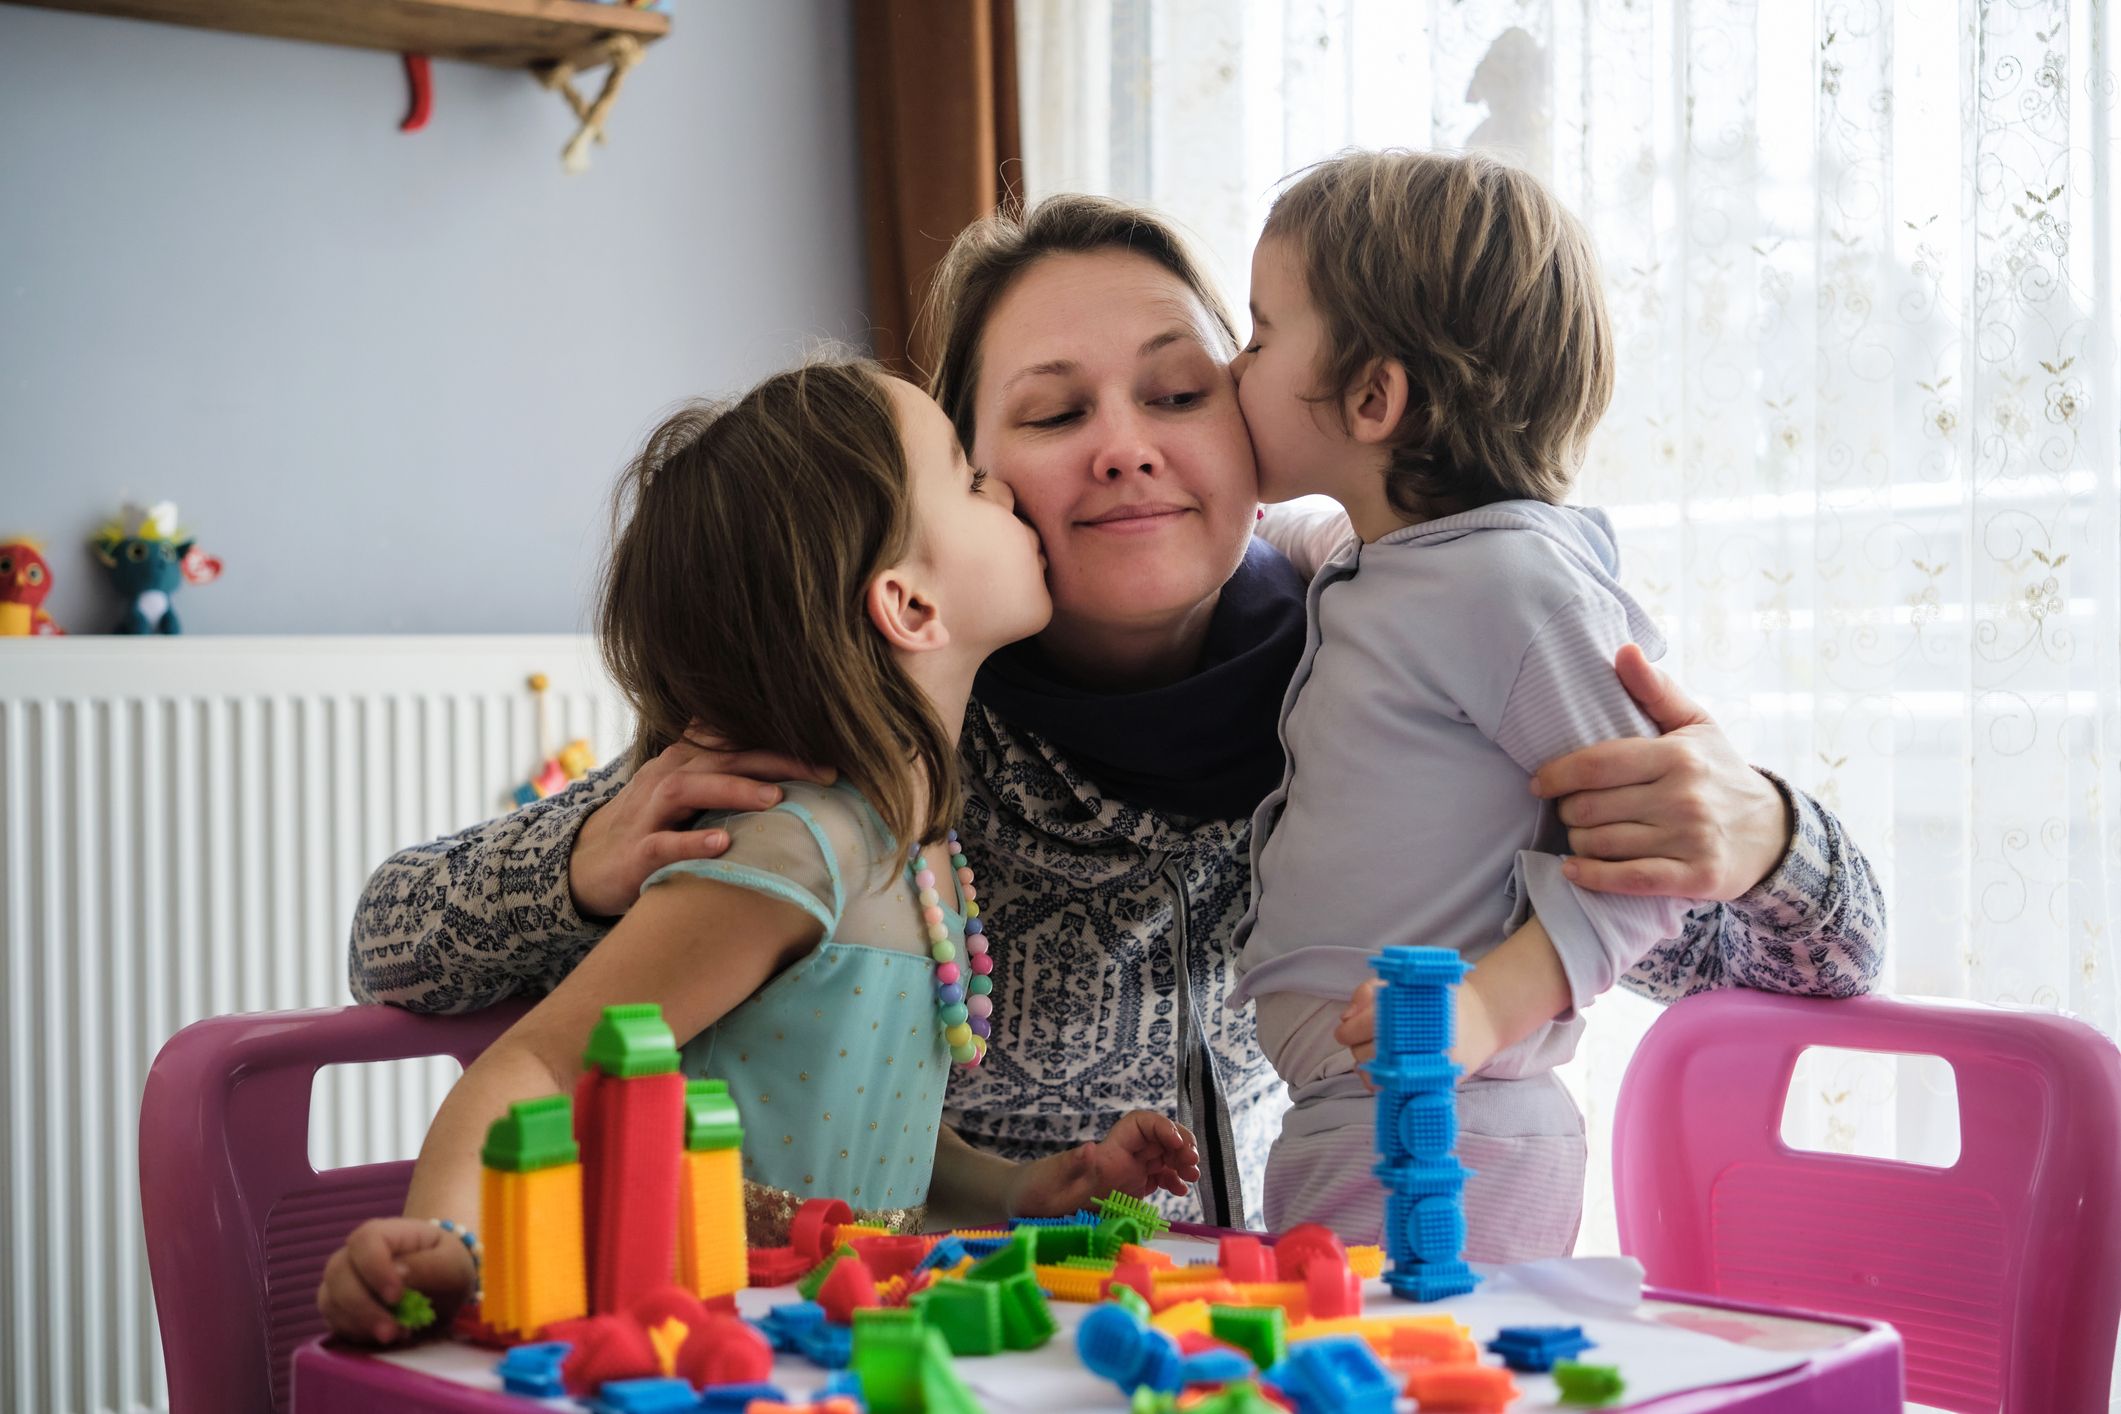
point(1196, 1057)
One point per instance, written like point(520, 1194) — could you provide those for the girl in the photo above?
point(817, 569)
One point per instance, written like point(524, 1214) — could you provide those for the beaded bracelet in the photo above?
point(470, 1240)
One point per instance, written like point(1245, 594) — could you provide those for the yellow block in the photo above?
point(1071, 1283)
point(711, 1246)
point(1367, 1262)
point(1186, 1317)
point(534, 1273)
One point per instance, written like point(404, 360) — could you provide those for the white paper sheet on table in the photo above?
point(1601, 1294)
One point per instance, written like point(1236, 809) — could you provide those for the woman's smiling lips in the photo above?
point(1138, 519)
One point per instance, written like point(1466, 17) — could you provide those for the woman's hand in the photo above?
point(383, 1259)
point(642, 828)
point(1680, 814)
point(1143, 1152)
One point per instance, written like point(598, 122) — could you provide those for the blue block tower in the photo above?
point(1417, 1124)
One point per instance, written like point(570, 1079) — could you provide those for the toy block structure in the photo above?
point(712, 1258)
point(530, 1193)
point(1417, 1123)
point(630, 1123)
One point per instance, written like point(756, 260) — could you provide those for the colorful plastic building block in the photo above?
point(814, 1280)
point(1536, 1348)
point(630, 1108)
point(828, 1345)
point(1245, 1259)
point(712, 1261)
point(1366, 1262)
point(1339, 1374)
point(1217, 1366)
point(1153, 1223)
point(1187, 1318)
point(1588, 1385)
point(1259, 1331)
point(968, 1313)
point(743, 1399)
point(724, 1350)
point(1129, 1299)
point(650, 1396)
point(414, 1311)
point(1300, 1245)
point(1241, 1397)
point(1016, 1257)
point(607, 1348)
point(1056, 1244)
point(775, 1266)
point(1461, 1389)
point(891, 1255)
point(1115, 1345)
point(814, 1231)
point(945, 1254)
point(534, 1369)
point(1116, 1231)
point(905, 1366)
point(1027, 1321)
point(1431, 1281)
point(785, 1325)
point(847, 1289)
point(530, 1196)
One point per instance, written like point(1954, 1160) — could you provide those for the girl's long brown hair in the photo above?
point(745, 536)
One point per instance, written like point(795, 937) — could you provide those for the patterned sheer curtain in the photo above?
point(1862, 454)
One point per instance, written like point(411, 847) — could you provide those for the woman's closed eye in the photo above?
point(979, 479)
point(1181, 401)
point(1058, 419)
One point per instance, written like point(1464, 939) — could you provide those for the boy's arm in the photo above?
point(1563, 696)
point(652, 955)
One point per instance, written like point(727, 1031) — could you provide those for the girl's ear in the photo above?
point(903, 613)
point(1377, 402)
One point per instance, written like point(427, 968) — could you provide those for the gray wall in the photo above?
point(388, 377)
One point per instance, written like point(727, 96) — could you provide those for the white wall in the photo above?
point(388, 377)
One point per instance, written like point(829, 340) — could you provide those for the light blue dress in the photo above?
point(838, 1065)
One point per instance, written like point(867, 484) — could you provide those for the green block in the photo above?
point(968, 1313)
point(1055, 1245)
point(1241, 1397)
point(1090, 1264)
point(942, 1392)
point(534, 1134)
point(632, 1040)
point(1584, 1384)
point(1129, 1298)
point(1116, 1232)
point(814, 1281)
point(1260, 1331)
point(1119, 1205)
point(1149, 1401)
point(414, 1311)
point(710, 1116)
point(888, 1353)
point(1027, 1321)
point(1015, 1260)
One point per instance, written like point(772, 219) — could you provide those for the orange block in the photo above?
point(1462, 1389)
point(711, 1253)
point(533, 1272)
point(1147, 1256)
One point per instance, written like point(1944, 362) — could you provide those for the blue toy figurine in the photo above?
point(149, 564)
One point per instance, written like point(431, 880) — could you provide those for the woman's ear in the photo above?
point(903, 613)
point(1374, 406)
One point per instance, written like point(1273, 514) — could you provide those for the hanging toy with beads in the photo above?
point(555, 771)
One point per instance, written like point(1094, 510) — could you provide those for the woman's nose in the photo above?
point(1125, 445)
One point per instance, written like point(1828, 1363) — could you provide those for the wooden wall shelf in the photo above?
point(508, 34)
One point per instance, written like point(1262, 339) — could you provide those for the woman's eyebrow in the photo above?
point(1051, 367)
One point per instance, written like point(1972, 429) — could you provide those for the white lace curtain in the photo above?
point(1862, 454)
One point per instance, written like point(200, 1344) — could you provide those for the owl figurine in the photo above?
point(24, 581)
point(149, 563)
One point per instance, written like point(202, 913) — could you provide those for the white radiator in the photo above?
point(185, 825)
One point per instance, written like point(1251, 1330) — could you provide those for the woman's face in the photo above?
point(1105, 402)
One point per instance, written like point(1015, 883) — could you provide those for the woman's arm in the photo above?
point(510, 906)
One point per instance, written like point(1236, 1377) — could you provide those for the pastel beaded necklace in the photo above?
point(962, 1004)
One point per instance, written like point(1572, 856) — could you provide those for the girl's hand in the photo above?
point(642, 828)
point(1679, 814)
point(380, 1261)
point(1143, 1153)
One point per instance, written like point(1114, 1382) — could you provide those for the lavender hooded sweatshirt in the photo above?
point(1443, 664)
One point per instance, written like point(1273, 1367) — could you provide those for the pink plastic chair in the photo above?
point(2002, 1273)
point(239, 1225)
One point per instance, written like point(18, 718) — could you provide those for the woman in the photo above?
point(1114, 761)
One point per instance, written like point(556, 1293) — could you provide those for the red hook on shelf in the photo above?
point(423, 96)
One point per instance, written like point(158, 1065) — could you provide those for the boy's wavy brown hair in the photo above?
point(1468, 273)
point(745, 536)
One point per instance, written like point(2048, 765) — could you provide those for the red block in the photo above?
point(890, 1257)
point(1303, 1242)
point(636, 1154)
point(776, 1266)
point(610, 1348)
point(847, 1286)
point(1245, 1259)
point(1331, 1291)
point(814, 1227)
point(724, 1350)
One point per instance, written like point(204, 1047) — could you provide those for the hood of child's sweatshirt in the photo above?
point(1583, 533)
